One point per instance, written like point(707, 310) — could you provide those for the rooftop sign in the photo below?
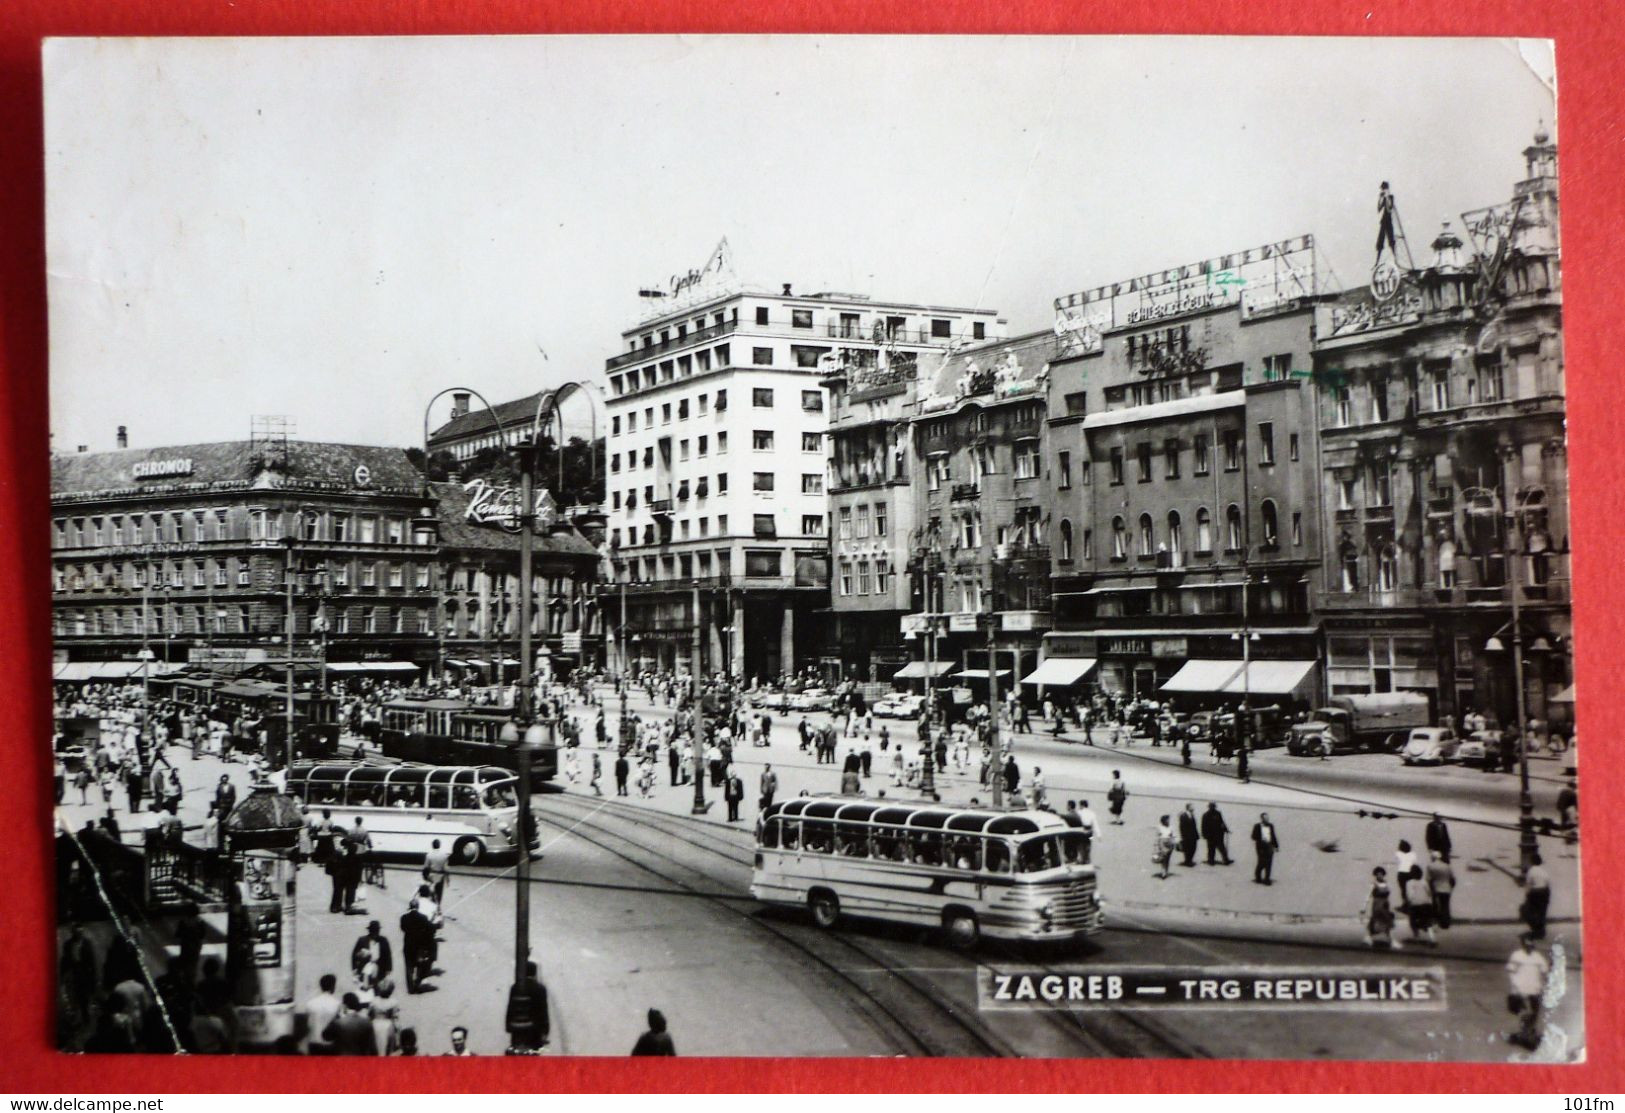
point(1259, 280)
point(161, 469)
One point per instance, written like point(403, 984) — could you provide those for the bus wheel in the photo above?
point(468, 850)
point(961, 926)
point(825, 906)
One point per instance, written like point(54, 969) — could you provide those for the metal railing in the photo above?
point(638, 355)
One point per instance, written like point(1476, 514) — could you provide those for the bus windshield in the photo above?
point(500, 795)
point(1047, 852)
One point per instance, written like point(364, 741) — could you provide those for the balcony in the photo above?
point(1378, 514)
point(842, 330)
point(660, 507)
point(966, 492)
point(1442, 503)
point(654, 350)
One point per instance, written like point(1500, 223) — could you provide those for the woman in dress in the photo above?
point(1378, 913)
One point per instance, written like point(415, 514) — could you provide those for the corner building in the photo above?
point(1444, 468)
point(1183, 482)
point(717, 477)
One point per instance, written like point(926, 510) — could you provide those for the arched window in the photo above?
point(1176, 540)
point(1148, 535)
point(1204, 530)
point(1119, 539)
point(1066, 541)
point(1272, 533)
point(1232, 527)
point(1387, 568)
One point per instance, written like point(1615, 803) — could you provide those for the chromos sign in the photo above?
point(499, 506)
point(1260, 280)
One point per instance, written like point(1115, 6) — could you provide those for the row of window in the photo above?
point(855, 577)
point(762, 440)
point(1487, 383)
point(668, 371)
point(1024, 460)
point(222, 525)
point(223, 573)
point(763, 526)
point(1170, 545)
point(855, 521)
point(1173, 449)
point(685, 566)
point(176, 619)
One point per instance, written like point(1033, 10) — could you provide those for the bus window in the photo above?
point(925, 848)
point(817, 838)
point(463, 799)
point(998, 856)
point(406, 796)
point(770, 834)
point(500, 795)
point(1075, 848)
point(364, 795)
point(790, 834)
point(1037, 854)
point(966, 853)
point(889, 845)
point(439, 797)
point(852, 841)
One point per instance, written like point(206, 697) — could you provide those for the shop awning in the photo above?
point(1270, 678)
point(478, 663)
point(978, 674)
point(456, 662)
point(1060, 671)
point(71, 671)
point(507, 661)
point(1565, 696)
point(919, 670)
point(371, 666)
point(1200, 675)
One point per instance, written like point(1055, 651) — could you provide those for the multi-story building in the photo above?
point(478, 587)
point(1183, 483)
point(1444, 466)
point(872, 509)
point(468, 431)
point(717, 478)
point(979, 541)
point(187, 551)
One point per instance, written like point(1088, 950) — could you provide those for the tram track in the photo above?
point(1107, 1032)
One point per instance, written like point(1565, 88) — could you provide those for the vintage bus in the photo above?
point(472, 810)
point(455, 732)
point(971, 871)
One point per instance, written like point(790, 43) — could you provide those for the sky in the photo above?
point(337, 229)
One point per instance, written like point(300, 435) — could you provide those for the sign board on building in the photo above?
point(1371, 310)
point(1016, 620)
point(1170, 647)
point(161, 469)
point(1260, 280)
point(571, 642)
point(499, 506)
point(963, 621)
point(1061, 645)
point(1126, 647)
point(914, 623)
point(710, 279)
point(225, 654)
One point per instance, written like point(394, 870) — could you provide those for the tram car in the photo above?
point(456, 732)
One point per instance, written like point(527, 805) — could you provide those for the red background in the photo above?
point(1589, 52)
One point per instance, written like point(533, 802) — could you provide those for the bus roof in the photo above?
point(406, 703)
point(357, 772)
point(919, 816)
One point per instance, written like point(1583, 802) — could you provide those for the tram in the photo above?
point(456, 732)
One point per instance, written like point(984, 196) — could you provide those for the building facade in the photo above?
point(1444, 469)
point(979, 542)
point(1183, 482)
point(717, 479)
point(187, 551)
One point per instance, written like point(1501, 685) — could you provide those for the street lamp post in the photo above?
point(1527, 845)
point(697, 708)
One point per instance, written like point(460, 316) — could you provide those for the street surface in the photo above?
point(637, 904)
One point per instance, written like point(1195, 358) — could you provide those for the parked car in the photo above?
point(899, 705)
point(813, 699)
point(1479, 748)
point(1430, 746)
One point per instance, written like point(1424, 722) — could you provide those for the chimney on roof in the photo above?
point(787, 289)
point(84, 448)
point(459, 403)
point(123, 437)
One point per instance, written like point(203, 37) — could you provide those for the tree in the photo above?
point(442, 465)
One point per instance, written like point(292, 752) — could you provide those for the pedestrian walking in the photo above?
point(1437, 837)
point(1216, 833)
point(768, 785)
point(1527, 971)
point(597, 772)
point(1189, 834)
point(1537, 897)
point(1012, 774)
point(1404, 860)
point(1377, 915)
point(622, 769)
point(1419, 907)
point(1162, 848)
point(655, 1041)
point(437, 870)
point(1040, 794)
point(320, 1011)
point(733, 792)
point(1117, 797)
point(1265, 843)
point(1442, 881)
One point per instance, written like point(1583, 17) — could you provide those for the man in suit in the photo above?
point(622, 769)
point(1215, 832)
point(1437, 837)
point(769, 784)
point(371, 957)
point(351, 1032)
point(1188, 834)
point(1266, 844)
point(733, 792)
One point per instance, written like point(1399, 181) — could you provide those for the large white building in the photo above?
point(717, 477)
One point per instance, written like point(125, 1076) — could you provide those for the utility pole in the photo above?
point(997, 766)
point(288, 579)
point(928, 777)
point(521, 1028)
point(1527, 846)
point(697, 708)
